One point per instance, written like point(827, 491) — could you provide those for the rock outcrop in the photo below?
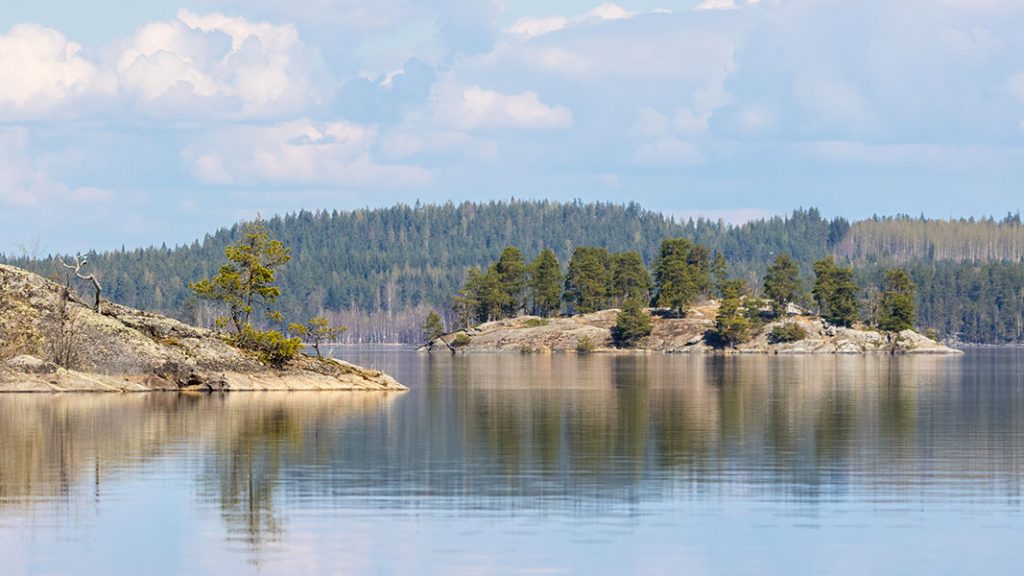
point(678, 335)
point(127, 350)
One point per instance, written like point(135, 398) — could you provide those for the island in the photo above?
point(51, 341)
point(593, 332)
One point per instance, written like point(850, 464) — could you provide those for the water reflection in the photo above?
point(567, 434)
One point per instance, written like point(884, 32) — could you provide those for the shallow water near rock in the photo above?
point(531, 464)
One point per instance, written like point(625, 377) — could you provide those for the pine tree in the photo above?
point(248, 277)
point(674, 277)
point(897, 311)
point(546, 284)
point(511, 271)
point(630, 279)
point(732, 326)
point(720, 272)
point(782, 283)
point(316, 331)
point(588, 280)
point(432, 327)
point(835, 292)
point(465, 304)
point(631, 324)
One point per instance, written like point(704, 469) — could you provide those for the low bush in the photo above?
point(536, 322)
point(461, 339)
point(788, 332)
point(270, 346)
point(585, 345)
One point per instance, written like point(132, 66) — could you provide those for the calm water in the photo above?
point(512, 464)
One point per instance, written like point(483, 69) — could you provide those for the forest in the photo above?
point(379, 271)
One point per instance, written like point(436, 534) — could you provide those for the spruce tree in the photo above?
point(897, 311)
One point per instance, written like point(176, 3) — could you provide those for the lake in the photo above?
point(530, 464)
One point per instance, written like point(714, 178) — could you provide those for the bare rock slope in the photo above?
point(678, 335)
point(126, 350)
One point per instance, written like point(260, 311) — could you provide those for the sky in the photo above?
point(126, 123)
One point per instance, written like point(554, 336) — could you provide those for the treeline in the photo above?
point(595, 279)
point(387, 262)
point(906, 239)
point(683, 273)
point(380, 269)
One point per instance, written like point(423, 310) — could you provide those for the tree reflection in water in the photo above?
point(558, 433)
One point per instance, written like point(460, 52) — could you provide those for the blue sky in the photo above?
point(136, 123)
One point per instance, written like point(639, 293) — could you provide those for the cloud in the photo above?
point(526, 28)
point(722, 4)
point(301, 152)
point(474, 108)
point(217, 63)
point(41, 70)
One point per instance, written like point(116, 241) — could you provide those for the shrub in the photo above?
point(585, 345)
point(788, 332)
point(461, 339)
point(270, 346)
point(536, 322)
point(631, 325)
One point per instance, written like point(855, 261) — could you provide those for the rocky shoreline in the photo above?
point(127, 350)
point(686, 335)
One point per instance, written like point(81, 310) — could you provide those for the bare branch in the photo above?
point(80, 263)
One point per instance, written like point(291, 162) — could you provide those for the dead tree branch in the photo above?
point(81, 262)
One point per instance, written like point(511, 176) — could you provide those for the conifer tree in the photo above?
point(678, 275)
point(897, 311)
point(546, 284)
point(248, 278)
point(432, 327)
point(511, 272)
point(782, 283)
point(631, 324)
point(732, 326)
point(630, 278)
point(586, 284)
point(719, 272)
point(835, 292)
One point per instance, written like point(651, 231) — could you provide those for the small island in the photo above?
point(121, 349)
point(610, 303)
point(594, 332)
point(53, 341)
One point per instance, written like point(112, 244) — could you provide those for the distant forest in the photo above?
point(380, 271)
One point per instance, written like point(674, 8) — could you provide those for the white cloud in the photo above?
point(230, 64)
point(298, 153)
point(41, 70)
point(474, 108)
point(526, 28)
point(722, 4)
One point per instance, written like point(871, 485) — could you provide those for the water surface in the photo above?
point(519, 464)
